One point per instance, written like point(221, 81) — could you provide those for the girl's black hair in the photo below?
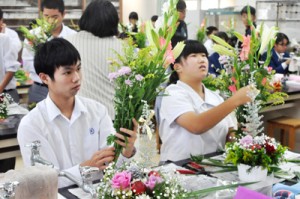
point(280, 37)
point(53, 54)
point(191, 46)
point(100, 18)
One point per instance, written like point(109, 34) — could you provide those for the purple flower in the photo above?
point(128, 82)
point(139, 77)
point(246, 141)
point(113, 76)
point(152, 181)
point(121, 180)
point(125, 70)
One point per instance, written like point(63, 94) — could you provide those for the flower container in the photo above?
point(256, 173)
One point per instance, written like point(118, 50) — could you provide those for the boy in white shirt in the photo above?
point(72, 129)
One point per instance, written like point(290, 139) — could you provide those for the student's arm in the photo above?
point(200, 123)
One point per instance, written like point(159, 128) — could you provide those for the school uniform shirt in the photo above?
point(66, 142)
point(8, 60)
point(28, 53)
point(177, 142)
point(277, 61)
point(14, 39)
point(209, 46)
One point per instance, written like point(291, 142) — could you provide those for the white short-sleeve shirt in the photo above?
point(177, 142)
point(66, 142)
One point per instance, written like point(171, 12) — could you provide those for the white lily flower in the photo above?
point(267, 35)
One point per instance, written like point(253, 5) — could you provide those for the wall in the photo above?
point(145, 9)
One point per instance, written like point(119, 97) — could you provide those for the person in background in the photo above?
point(53, 10)
point(97, 42)
point(153, 20)
point(13, 35)
point(214, 63)
point(133, 22)
point(8, 66)
point(210, 30)
point(191, 113)
point(181, 33)
point(244, 15)
point(280, 58)
point(72, 129)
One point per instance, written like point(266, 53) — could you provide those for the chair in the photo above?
point(286, 125)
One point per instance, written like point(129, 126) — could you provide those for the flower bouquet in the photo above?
point(139, 73)
point(201, 33)
point(242, 63)
point(41, 32)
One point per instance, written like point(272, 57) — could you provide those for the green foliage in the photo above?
point(21, 76)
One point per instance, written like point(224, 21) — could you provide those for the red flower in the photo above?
point(153, 173)
point(138, 187)
point(270, 148)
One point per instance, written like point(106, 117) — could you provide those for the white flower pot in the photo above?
point(256, 173)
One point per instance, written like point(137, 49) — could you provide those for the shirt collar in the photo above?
point(53, 110)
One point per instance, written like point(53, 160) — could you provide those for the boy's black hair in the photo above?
point(211, 29)
point(53, 54)
point(1, 14)
point(280, 37)
point(191, 46)
point(154, 18)
point(100, 18)
point(53, 4)
point(245, 10)
point(133, 15)
point(181, 5)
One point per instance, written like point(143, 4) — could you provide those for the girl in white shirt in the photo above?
point(193, 119)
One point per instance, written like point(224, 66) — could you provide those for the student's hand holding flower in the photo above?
point(128, 148)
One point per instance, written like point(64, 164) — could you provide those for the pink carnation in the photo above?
point(128, 82)
point(232, 88)
point(125, 70)
point(246, 141)
point(139, 77)
point(121, 180)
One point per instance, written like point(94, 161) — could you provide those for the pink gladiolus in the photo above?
point(121, 180)
point(232, 88)
point(233, 79)
point(246, 48)
point(169, 56)
point(152, 181)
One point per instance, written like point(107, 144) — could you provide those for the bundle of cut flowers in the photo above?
point(254, 148)
point(41, 32)
point(201, 33)
point(5, 100)
point(130, 181)
point(242, 63)
point(138, 74)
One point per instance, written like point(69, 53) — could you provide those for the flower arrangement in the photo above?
point(131, 181)
point(139, 73)
point(5, 100)
point(254, 148)
point(242, 63)
point(42, 32)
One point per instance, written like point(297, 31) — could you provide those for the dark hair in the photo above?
point(245, 10)
point(210, 29)
point(181, 5)
point(100, 18)
point(154, 18)
point(133, 15)
point(53, 4)
point(222, 35)
point(191, 46)
point(1, 14)
point(280, 37)
point(53, 54)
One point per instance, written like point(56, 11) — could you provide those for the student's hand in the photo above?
point(288, 61)
point(101, 158)
point(128, 150)
point(241, 96)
